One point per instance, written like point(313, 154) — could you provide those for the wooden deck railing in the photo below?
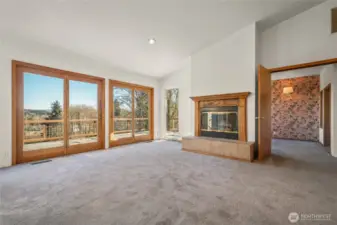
point(52, 130)
point(124, 125)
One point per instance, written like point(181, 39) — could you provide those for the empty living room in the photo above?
point(168, 112)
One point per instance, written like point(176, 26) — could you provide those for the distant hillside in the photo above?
point(40, 112)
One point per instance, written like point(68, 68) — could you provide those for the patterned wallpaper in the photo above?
point(296, 115)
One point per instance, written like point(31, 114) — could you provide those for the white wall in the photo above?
point(329, 76)
point(31, 52)
point(326, 76)
point(304, 38)
point(180, 79)
point(228, 67)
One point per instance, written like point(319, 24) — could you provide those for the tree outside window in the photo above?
point(172, 121)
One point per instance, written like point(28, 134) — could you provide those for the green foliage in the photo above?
point(141, 104)
point(172, 103)
point(123, 103)
point(172, 109)
point(117, 108)
point(56, 111)
point(123, 108)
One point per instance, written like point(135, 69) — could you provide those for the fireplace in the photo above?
point(221, 116)
point(219, 122)
point(220, 127)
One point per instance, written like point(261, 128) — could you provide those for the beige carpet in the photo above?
point(156, 183)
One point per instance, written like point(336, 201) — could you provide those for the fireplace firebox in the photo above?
point(219, 122)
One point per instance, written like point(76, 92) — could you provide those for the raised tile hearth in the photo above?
point(233, 149)
point(221, 127)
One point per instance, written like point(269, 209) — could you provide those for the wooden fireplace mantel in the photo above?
point(232, 99)
point(221, 97)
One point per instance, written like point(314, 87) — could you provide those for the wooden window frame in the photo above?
point(133, 139)
point(17, 106)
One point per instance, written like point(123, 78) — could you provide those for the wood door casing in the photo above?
point(264, 113)
point(133, 139)
point(327, 116)
point(18, 70)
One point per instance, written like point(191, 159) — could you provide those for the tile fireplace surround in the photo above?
point(221, 127)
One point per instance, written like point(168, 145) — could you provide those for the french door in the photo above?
point(55, 112)
point(131, 113)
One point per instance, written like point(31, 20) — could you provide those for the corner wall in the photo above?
point(228, 67)
point(31, 52)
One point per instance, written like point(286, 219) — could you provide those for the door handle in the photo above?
point(259, 118)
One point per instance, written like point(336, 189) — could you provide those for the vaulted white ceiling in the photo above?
point(116, 31)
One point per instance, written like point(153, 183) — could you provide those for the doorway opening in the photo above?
point(264, 101)
point(295, 113)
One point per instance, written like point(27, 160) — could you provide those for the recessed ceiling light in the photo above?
point(152, 41)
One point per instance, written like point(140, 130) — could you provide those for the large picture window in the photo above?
point(172, 118)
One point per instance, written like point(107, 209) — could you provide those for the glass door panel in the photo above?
point(142, 112)
point(122, 113)
point(43, 122)
point(131, 113)
point(83, 113)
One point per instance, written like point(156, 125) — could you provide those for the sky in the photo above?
point(40, 91)
point(122, 93)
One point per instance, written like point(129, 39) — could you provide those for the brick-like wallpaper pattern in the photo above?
point(296, 115)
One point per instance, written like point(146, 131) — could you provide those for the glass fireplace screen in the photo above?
point(220, 121)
